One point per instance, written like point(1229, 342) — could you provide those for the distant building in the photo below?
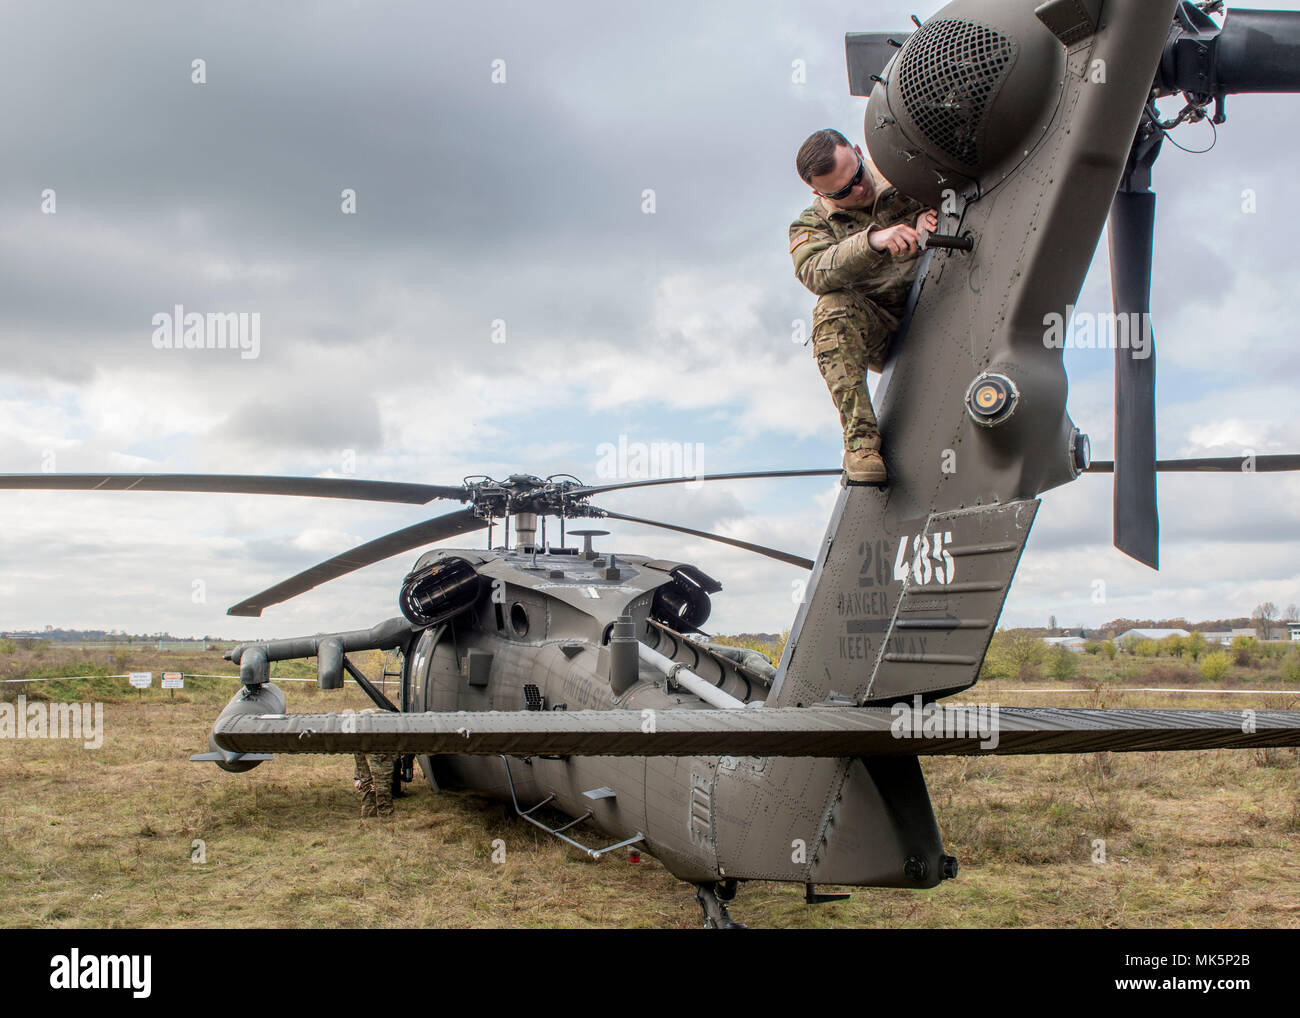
point(1074, 643)
point(1223, 638)
point(1132, 636)
point(1294, 627)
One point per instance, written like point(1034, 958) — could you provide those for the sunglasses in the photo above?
point(843, 192)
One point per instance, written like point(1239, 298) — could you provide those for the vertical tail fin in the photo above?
point(899, 607)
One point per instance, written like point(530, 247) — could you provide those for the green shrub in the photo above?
point(1291, 666)
point(995, 665)
point(1013, 656)
point(1063, 664)
point(1243, 649)
point(1215, 666)
point(1026, 653)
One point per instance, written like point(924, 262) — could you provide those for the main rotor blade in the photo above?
point(597, 489)
point(1137, 520)
point(780, 556)
point(440, 527)
point(239, 484)
point(1213, 464)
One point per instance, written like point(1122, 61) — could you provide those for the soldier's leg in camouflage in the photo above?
point(841, 345)
point(381, 767)
point(364, 783)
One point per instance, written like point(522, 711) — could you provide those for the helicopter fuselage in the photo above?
point(540, 639)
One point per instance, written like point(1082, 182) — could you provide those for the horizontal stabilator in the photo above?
point(906, 729)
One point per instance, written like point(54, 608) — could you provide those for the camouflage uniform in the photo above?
point(862, 293)
point(373, 778)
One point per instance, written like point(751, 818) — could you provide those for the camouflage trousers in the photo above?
point(373, 778)
point(851, 334)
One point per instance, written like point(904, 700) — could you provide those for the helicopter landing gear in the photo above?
point(712, 898)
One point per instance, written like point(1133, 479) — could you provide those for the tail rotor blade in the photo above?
point(867, 54)
point(1267, 464)
point(1137, 520)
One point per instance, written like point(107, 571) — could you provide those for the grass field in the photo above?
point(111, 837)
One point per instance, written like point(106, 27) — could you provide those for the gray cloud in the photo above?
point(520, 202)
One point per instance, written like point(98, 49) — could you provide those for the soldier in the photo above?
point(856, 249)
point(373, 780)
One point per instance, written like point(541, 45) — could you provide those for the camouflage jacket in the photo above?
point(830, 249)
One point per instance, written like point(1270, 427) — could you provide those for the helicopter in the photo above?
point(580, 681)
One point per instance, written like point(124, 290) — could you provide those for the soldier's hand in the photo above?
point(899, 240)
point(928, 221)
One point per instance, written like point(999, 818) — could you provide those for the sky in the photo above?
point(570, 230)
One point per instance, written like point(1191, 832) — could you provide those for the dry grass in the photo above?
point(104, 838)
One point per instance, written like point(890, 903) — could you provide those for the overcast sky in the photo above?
point(521, 205)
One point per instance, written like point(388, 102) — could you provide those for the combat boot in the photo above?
point(864, 466)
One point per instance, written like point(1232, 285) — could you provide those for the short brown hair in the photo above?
point(817, 155)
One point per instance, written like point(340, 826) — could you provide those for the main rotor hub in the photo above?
point(523, 494)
